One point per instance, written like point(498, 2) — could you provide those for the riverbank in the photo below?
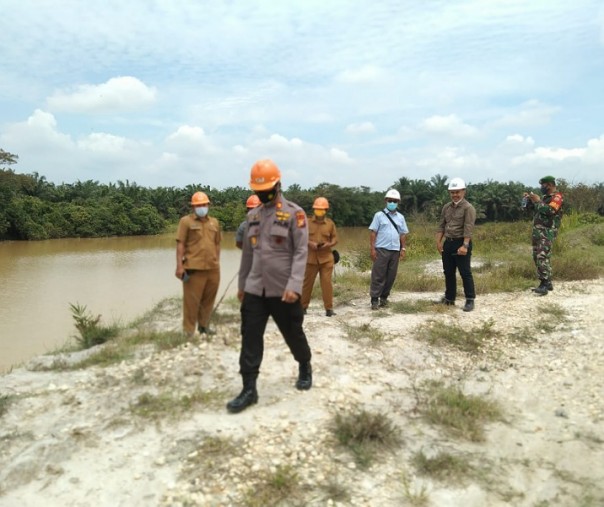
point(153, 430)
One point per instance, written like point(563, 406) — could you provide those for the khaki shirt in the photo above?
point(201, 238)
point(323, 231)
point(275, 249)
point(457, 221)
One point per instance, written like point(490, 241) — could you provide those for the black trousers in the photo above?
point(255, 311)
point(452, 262)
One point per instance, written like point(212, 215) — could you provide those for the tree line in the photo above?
point(31, 208)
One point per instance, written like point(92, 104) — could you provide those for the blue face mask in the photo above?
point(201, 211)
point(391, 206)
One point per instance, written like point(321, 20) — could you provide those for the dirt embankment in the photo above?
point(87, 437)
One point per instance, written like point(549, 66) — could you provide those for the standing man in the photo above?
point(456, 226)
point(270, 281)
point(546, 224)
point(387, 234)
point(251, 203)
point(322, 237)
point(198, 264)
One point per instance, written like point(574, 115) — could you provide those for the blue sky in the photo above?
point(355, 93)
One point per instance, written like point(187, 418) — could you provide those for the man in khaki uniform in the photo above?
point(456, 227)
point(271, 273)
point(198, 264)
point(322, 237)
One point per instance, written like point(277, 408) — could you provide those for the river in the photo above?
point(118, 278)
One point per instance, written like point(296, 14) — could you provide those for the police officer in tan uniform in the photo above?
point(322, 237)
point(198, 264)
point(271, 273)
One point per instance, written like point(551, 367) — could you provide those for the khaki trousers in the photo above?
point(198, 296)
point(325, 272)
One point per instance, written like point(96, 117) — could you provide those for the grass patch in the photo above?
point(365, 434)
point(212, 455)
point(281, 486)
point(363, 332)
point(156, 406)
point(443, 466)
point(459, 414)
point(409, 307)
point(414, 495)
point(550, 316)
point(471, 340)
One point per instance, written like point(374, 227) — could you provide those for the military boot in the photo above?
point(304, 382)
point(248, 396)
point(550, 286)
point(542, 289)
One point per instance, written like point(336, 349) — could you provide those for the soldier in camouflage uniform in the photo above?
point(546, 224)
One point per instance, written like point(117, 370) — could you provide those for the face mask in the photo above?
point(391, 206)
point(544, 189)
point(201, 211)
point(266, 196)
point(319, 213)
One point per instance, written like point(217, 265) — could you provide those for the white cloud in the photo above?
point(366, 127)
point(517, 139)
point(449, 125)
point(116, 95)
point(340, 156)
point(451, 158)
point(528, 114)
point(190, 139)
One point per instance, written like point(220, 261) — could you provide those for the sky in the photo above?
point(353, 93)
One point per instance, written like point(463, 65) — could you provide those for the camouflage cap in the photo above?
point(547, 179)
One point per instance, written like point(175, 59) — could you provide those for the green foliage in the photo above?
point(91, 332)
point(5, 401)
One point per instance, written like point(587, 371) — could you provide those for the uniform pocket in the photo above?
point(279, 236)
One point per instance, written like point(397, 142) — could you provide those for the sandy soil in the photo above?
point(73, 438)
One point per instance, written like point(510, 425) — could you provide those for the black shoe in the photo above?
point(304, 382)
point(469, 306)
point(248, 396)
point(383, 302)
point(550, 286)
point(374, 304)
point(304, 311)
point(206, 330)
point(329, 313)
point(446, 302)
point(542, 289)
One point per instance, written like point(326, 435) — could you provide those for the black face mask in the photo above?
point(544, 189)
point(266, 196)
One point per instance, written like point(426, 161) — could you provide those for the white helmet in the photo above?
point(393, 194)
point(457, 184)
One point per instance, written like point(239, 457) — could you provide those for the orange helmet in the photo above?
point(264, 175)
point(252, 201)
point(320, 203)
point(199, 199)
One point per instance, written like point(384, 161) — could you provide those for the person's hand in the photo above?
point(403, 253)
point(439, 247)
point(373, 254)
point(289, 296)
point(533, 197)
point(179, 273)
point(462, 250)
point(320, 245)
point(312, 245)
point(240, 296)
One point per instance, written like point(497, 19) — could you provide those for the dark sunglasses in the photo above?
point(391, 200)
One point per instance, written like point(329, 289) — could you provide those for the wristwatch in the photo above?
point(466, 245)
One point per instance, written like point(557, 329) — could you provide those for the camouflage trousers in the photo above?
point(542, 240)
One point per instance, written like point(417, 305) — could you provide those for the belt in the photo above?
point(454, 239)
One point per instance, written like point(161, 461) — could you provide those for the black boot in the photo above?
point(549, 285)
point(248, 396)
point(304, 382)
point(469, 306)
point(542, 289)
